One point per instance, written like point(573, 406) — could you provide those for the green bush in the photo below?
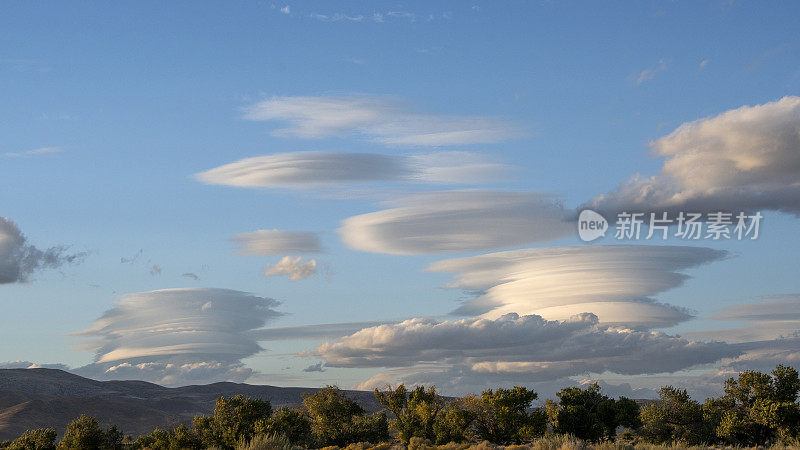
point(415, 412)
point(291, 424)
point(338, 420)
point(504, 416)
point(234, 420)
point(589, 415)
point(39, 439)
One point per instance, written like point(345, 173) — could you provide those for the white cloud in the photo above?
point(312, 169)
point(457, 221)
point(176, 336)
point(292, 267)
point(615, 282)
point(273, 242)
point(286, 9)
point(377, 118)
point(34, 152)
point(19, 259)
point(743, 159)
point(519, 348)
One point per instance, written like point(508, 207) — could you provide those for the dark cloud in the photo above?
point(19, 259)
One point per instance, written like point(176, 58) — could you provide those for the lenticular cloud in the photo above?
point(175, 336)
point(615, 282)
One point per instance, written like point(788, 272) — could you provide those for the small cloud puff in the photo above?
point(292, 267)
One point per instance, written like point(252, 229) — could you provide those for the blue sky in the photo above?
point(136, 99)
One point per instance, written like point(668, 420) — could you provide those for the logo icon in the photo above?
point(591, 225)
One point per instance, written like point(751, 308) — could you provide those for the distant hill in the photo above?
point(35, 398)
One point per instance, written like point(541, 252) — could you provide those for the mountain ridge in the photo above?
point(35, 398)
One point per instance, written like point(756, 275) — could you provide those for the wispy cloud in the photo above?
point(273, 242)
point(379, 119)
point(649, 73)
point(34, 152)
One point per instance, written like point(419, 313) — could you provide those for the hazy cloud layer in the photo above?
point(776, 317)
point(521, 348)
point(303, 170)
point(615, 282)
point(317, 331)
point(379, 119)
point(292, 267)
point(176, 336)
point(275, 242)
point(19, 259)
point(743, 159)
point(457, 222)
point(19, 364)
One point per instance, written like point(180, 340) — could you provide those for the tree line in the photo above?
point(757, 409)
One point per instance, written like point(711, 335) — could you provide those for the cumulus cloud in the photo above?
point(520, 348)
point(616, 282)
point(273, 242)
point(177, 336)
point(377, 118)
point(302, 170)
point(743, 159)
point(457, 221)
point(19, 259)
point(292, 267)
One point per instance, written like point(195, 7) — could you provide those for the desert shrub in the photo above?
point(675, 418)
point(39, 439)
point(234, 420)
point(267, 442)
point(454, 423)
point(415, 412)
point(589, 415)
point(757, 408)
point(504, 416)
point(338, 420)
point(84, 433)
point(289, 423)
